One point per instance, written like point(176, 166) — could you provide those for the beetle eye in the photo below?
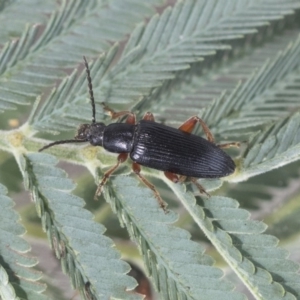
point(83, 132)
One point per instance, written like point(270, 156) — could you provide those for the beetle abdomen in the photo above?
point(168, 149)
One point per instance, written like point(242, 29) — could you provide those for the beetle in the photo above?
point(176, 152)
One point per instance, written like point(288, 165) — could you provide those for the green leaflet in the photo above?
point(246, 93)
point(253, 256)
point(27, 11)
point(86, 255)
point(177, 265)
point(72, 89)
point(17, 278)
point(62, 44)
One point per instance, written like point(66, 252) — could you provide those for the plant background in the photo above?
point(234, 63)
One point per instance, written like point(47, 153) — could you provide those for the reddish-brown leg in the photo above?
point(190, 124)
point(172, 176)
point(148, 116)
point(131, 119)
point(175, 178)
point(137, 170)
point(121, 158)
point(199, 186)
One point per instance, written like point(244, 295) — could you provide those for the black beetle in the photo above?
point(157, 146)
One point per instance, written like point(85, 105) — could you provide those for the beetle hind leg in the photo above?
point(190, 124)
point(174, 177)
point(121, 158)
point(181, 178)
point(137, 170)
point(199, 186)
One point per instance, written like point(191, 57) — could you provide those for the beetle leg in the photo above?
point(148, 116)
point(131, 119)
point(228, 145)
point(175, 178)
point(199, 186)
point(190, 124)
point(182, 178)
point(121, 158)
point(137, 170)
point(172, 176)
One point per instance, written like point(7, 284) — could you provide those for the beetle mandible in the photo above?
point(176, 152)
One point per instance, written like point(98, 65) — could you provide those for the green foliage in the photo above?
point(74, 236)
point(234, 63)
point(18, 279)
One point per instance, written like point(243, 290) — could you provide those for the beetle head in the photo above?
point(92, 133)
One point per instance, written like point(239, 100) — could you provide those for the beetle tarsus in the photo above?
point(99, 189)
point(121, 158)
point(101, 185)
point(181, 178)
point(137, 170)
point(164, 207)
point(199, 186)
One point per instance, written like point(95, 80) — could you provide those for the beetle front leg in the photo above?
point(190, 124)
point(131, 119)
point(121, 158)
point(137, 170)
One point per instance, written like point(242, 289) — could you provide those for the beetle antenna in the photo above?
point(89, 79)
point(61, 142)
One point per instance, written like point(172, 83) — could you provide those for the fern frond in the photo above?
point(252, 255)
point(17, 279)
point(15, 15)
point(260, 99)
point(276, 146)
point(204, 94)
point(180, 37)
point(179, 268)
point(10, 53)
point(77, 240)
point(71, 90)
point(65, 39)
